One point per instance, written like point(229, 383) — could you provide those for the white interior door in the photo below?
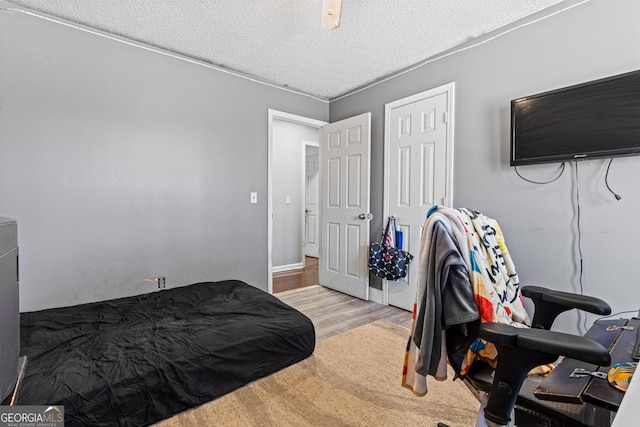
point(311, 201)
point(418, 172)
point(345, 151)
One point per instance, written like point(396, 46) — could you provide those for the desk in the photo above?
point(559, 387)
point(572, 408)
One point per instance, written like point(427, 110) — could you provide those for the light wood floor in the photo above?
point(333, 312)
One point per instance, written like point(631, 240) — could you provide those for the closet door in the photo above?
point(418, 173)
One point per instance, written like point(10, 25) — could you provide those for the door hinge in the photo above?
point(445, 117)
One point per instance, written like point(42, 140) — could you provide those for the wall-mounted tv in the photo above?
point(597, 119)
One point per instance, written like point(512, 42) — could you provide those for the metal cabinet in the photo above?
point(9, 307)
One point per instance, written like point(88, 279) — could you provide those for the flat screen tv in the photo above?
point(597, 119)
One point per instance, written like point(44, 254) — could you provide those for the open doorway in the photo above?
point(295, 279)
point(307, 275)
point(291, 139)
point(345, 164)
point(311, 184)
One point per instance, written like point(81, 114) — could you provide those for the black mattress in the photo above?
point(138, 360)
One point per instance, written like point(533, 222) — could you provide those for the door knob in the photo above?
point(365, 216)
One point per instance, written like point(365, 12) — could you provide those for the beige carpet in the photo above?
point(352, 379)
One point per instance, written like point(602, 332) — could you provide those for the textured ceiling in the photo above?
point(280, 41)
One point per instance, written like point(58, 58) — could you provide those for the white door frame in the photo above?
point(449, 89)
point(306, 144)
point(278, 115)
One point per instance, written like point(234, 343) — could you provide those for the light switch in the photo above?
point(254, 197)
point(287, 200)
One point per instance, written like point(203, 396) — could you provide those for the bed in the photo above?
point(138, 360)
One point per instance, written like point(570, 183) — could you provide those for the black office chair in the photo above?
point(448, 235)
point(520, 350)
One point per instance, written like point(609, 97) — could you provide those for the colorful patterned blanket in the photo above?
point(496, 285)
point(490, 273)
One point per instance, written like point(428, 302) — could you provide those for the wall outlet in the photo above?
point(162, 282)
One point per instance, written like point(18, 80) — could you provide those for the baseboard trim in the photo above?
point(279, 268)
point(376, 295)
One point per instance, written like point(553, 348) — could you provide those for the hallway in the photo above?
point(299, 278)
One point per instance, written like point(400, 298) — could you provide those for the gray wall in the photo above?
point(121, 164)
point(288, 179)
point(590, 41)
